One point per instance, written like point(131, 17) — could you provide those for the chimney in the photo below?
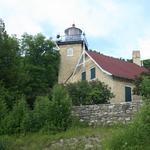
point(136, 58)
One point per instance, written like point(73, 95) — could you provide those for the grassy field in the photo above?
point(83, 138)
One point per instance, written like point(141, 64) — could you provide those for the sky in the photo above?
point(112, 27)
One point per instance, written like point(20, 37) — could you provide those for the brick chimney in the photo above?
point(136, 58)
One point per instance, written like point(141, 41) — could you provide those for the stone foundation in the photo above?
point(106, 114)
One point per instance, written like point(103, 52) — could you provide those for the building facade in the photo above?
point(78, 63)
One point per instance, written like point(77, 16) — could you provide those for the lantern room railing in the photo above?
point(72, 38)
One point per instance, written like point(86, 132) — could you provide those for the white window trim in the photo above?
point(70, 52)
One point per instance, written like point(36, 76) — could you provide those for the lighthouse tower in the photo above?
point(71, 46)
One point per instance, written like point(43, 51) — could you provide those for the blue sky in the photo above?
point(113, 27)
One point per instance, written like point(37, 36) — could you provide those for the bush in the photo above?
point(100, 92)
point(3, 109)
point(60, 108)
point(47, 115)
point(142, 85)
point(4, 144)
point(94, 92)
point(41, 113)
point(12, 122)
point(79, 92)
point(136, 136)
point(145, 87)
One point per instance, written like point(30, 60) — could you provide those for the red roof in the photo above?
point(117, 67)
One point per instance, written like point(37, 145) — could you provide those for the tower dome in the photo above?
point(73, 34)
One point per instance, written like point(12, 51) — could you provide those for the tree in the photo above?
point(9, 58)
point(94, 92)
point(61, 105)
point(12, 122)
point(145, 87)
point(9, 66)
point(3, 110)
point(41, 113)
point(142, 85)
point(40, 65)
point(146, 63)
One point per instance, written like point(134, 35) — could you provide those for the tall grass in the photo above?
point(5, 143)
point(38, 140)
point(136, 136)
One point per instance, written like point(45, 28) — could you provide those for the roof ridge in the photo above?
point(123, 60)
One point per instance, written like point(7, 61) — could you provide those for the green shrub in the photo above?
point(41, 113)
point(47, 115)
point(145, 87)
point(3, 109)
point(94, 92)
point(100, 93)
point(78, 92)
point(136, 136)
point(12, 122)
point(3, 113)
point(60, 109)
point(4, 144)
point(27, 123)
point(142, 85)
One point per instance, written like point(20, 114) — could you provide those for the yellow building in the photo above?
point(79, 63)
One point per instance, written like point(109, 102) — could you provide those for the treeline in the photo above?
point(28, 67)
point(28, 71)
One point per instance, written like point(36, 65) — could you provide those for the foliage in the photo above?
point(94, 92)
point(145, 87)
point(4, 144)
point(12, 122)
point(136, 136)
point(60, 108)
point(9, 67)
point(9, 96)
point(78, 92)
point(41, 113)
point(47, 115)
point(142, 85)
point(40, 65)
point(146, 63)
point(9, 58)
point(100, 92)
point(3, 110)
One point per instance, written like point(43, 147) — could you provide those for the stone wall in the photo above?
point(106, 114)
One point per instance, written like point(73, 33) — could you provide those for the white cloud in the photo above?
point(94, 17)
point(112, 19)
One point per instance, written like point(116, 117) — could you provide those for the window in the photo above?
point(70, 52)
point(83, 76)
point(93, 73)
point(128, 97)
